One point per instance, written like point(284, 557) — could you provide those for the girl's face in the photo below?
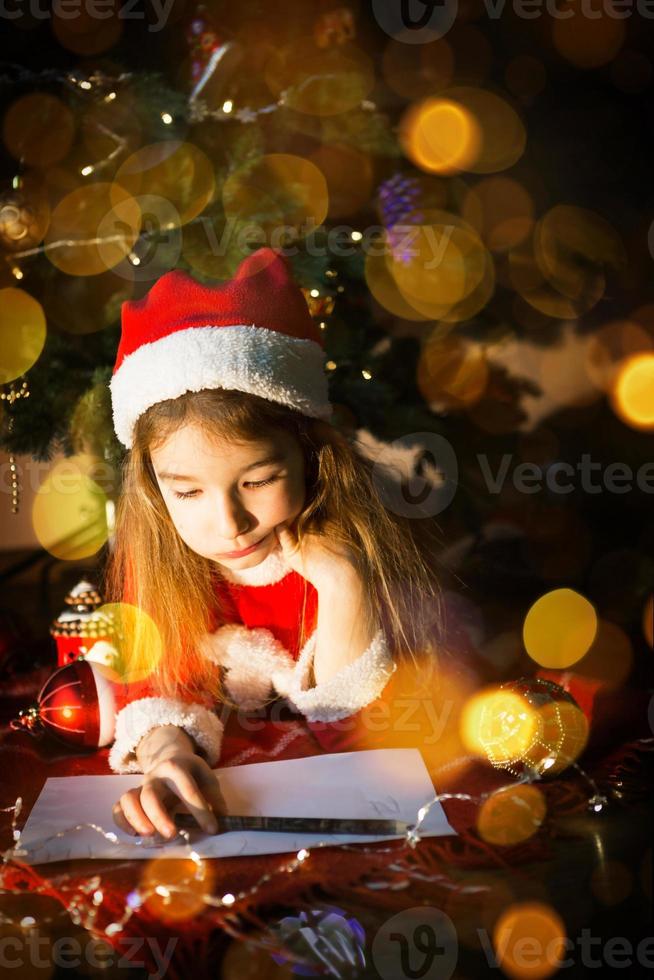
point(223, 497)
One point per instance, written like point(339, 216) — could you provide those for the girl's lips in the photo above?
point(246, 551)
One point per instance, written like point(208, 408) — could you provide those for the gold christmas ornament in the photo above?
point(23, 220)
point(529, 724)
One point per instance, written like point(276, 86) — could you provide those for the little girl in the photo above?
point(249, 530)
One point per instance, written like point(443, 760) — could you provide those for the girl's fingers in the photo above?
point(182, 783)
point(133, 811)
point(153, 794)
point(210, 787)
point(121, 820)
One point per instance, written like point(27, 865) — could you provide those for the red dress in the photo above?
point(259, 647)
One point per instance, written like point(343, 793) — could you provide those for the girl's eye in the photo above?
point(257, 484)
point(263, 483)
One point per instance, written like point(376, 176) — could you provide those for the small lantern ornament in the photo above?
point(77, 705)
point(82, 626)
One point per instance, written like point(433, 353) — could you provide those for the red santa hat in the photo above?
point(251, 333)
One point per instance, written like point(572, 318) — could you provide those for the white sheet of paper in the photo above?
point(377, 783)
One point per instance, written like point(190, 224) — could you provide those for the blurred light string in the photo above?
point(85, 915)
point(96, 83)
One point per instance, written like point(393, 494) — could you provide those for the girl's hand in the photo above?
point(183, 782)
point(318, 559)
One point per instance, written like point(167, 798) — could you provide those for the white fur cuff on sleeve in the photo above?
point(139, 717)
point(250, 656)
point(351, 689)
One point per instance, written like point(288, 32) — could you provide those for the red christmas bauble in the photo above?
point(77, 705)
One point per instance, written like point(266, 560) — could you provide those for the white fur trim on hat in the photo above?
point(139, 717)
point(250, 657)
point(283, 369)
point(351, 689)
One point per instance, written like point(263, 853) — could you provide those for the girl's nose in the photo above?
point(231, 519)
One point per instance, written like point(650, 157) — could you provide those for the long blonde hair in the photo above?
point(151, 567)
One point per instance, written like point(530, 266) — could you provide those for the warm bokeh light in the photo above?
point(441, 266)
point(562, 737)
point(69, 511)
point(474, 301)
point(529, 941)
point(452, 371)
point(22, 332)
point(439, 135)
point(499, 725)
point(319, 82)
point(502, 135)
point(527, 277)
point(95, 227)
point(137, 640)
point(588, 41)
point(511, 815)
point(433, 727)
point(573, 247)
point(383, 287)
point(179, 884)
point(608, 346)
point(501, 211)
point(559, 628)
point(179, 173)
point(632, 395)
point(38, 129)
point(280, 190)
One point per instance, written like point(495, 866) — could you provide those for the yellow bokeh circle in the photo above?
point(499, 725)
point(98, 225)
point(559, 628)
point(22, 332)
point(69, 513)
point(529, 941)
point(440, 136)
point(511, 815)
point(632, 396)
point(180, 173)
point(283, 193)
point(138, 642)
